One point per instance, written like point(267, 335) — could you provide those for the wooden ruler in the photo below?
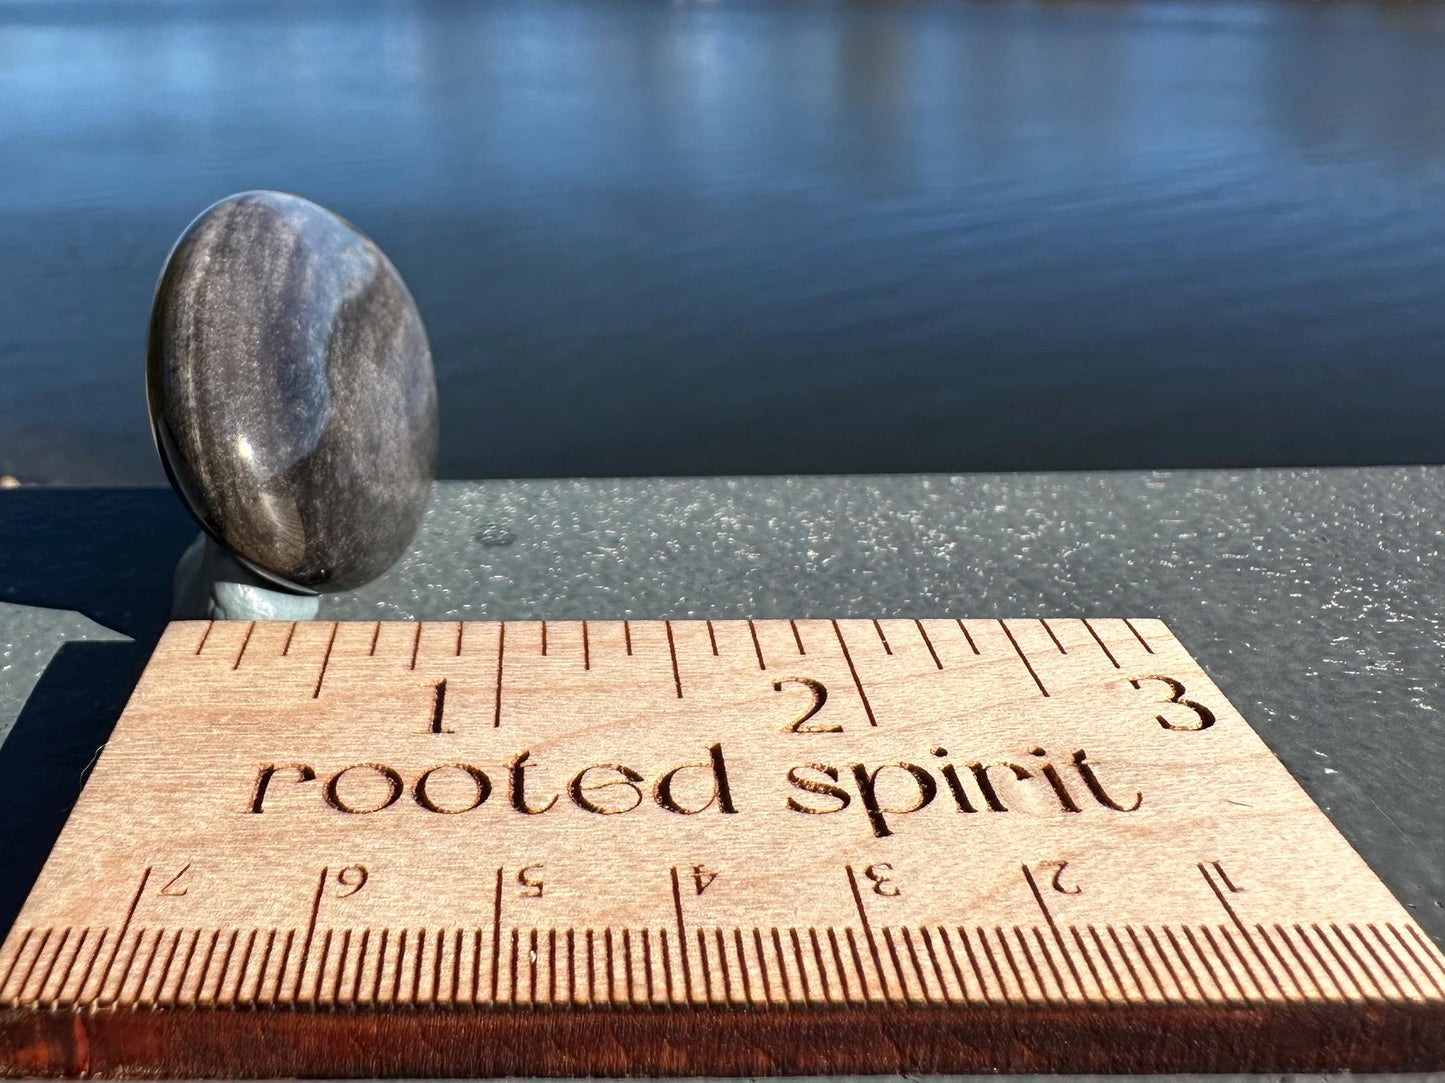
point(701, 847)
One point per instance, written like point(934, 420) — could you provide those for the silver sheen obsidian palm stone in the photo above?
point(291, 390)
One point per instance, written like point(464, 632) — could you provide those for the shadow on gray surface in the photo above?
point(50, 751)
point(104, 553)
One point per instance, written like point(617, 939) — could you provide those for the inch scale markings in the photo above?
point(401, 848)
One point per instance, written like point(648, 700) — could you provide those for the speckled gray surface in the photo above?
point(1314, 598)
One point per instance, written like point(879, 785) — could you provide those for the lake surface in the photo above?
point(769, 236)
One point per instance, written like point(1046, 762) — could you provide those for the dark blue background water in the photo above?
point(769, 236)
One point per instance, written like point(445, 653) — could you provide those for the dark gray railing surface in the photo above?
point(1313, 598)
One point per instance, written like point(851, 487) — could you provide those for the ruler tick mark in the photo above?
point(281, 970)
point(1299, 931)
point(120, 937)
point(400, 967)
point(19, 954)
point(236, 994)
point(1365, 968)
point(1054, 928)
point(797, 637)
point(89, 967)
point(1339, 961)
point(1426, 956)
point(1163, 957)
point(868, 931)
point(380, 966)
point(1109, 963)
point(70, 965)
point(1234, 917)
point(712, 638)
point(1019, 651)
point(310, 932)
point(476, 964)
point(627, 960)
point(340, 965)
point(917, 966)
point(140, 985)
point(846, 992)
point(325, 660)
point(862, 695)
point(54, 962)
point(1124, 958)
point(552, 965)
point(320, 969)
point(672, 651)
point(1431, 951)
point(607, 954)
point(1203, 958)
point(1099, 640)
point(206, 966)
point(438, 707)
point(1033, 966)
point(244, 641)
point(1142, 641)
point(501, 652)
point(591, 969)
point(706, 968)
point(822, 965)
point(742, 964)
point(1143, 957)
point(722, 953)
point(1219, 956)
point(647, 963)
point(802, 970)
point(882, 638)
point(1244, 962)
point(185, 965)
point(978, 970)
point(1013, 966)
point(937, 662)
point(681, 937)
point(762, 965)
point(1279, 956)
point(782, 965)
point(1399, 964)
point(1089, 962)
point(496, 935)
point(858, 965)
point(1053, 636)
point(758, 647)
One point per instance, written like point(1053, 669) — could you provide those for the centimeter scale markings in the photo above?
point(693, 846)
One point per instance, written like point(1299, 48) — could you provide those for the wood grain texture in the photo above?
point(701, 847)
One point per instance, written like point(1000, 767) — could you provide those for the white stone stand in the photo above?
point(211, 584)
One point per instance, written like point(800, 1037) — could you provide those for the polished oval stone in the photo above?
point(291, 390)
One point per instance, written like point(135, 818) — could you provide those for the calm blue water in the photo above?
point(769, 236)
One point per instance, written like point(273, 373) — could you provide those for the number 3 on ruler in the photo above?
point(1176, 695)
